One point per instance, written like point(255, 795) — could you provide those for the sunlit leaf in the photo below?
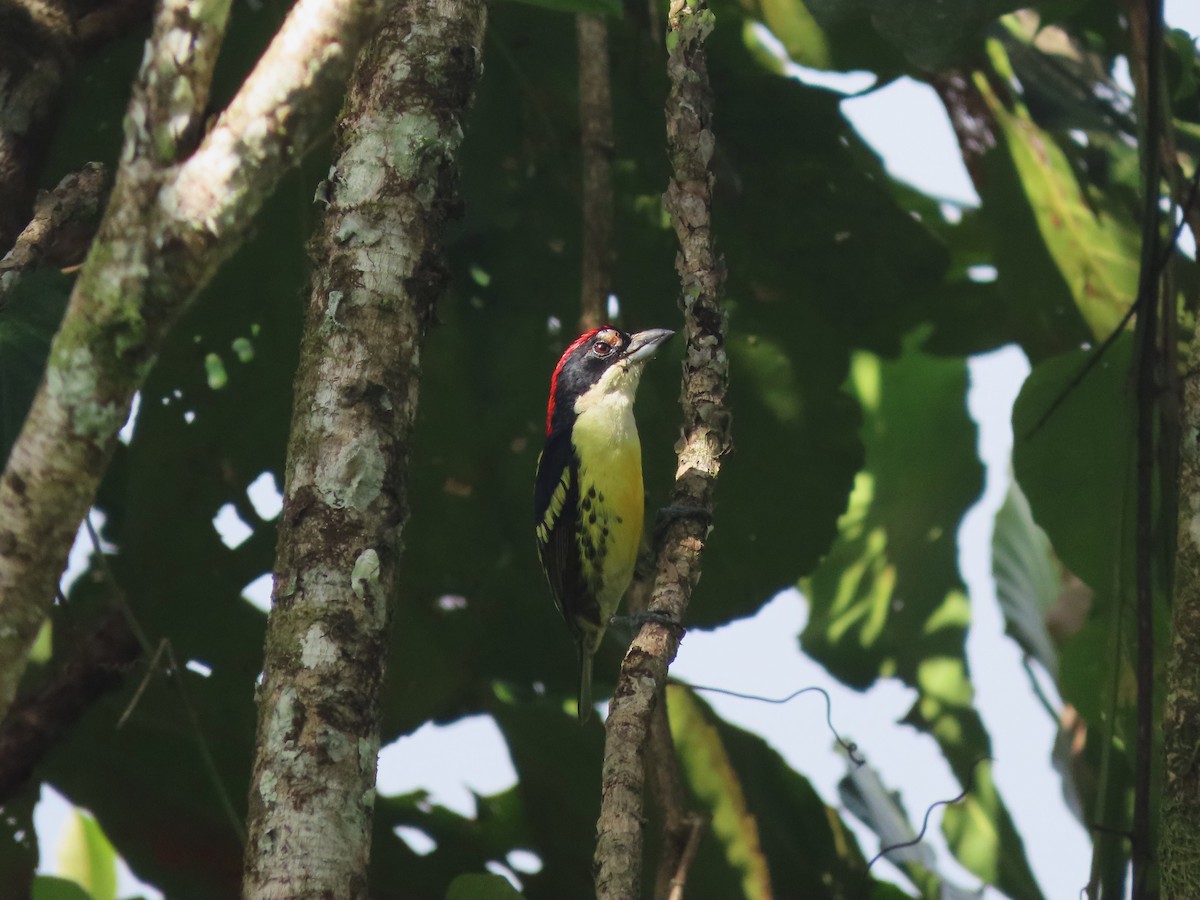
point(87, 857)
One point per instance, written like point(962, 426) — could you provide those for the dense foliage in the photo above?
point(854, 303)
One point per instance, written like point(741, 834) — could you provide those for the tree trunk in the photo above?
point(378, 275)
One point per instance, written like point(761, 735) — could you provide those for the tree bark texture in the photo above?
point(596, 139)
point(1179, 809)
point(40, 44)
point(704, 442)
point(378, 275)
point(171, 219)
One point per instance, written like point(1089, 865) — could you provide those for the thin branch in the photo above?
point(63, 225)
point(36, 722)
point(704, 442)
point(167, 228)
point(695, 827)
point(1145, 26)
point(596, 138)
point(666, 785)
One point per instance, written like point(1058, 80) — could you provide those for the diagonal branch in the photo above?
point(167, 227)
point(704, 442)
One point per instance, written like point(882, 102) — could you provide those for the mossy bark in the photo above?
point(378, 275)
point(173, 216)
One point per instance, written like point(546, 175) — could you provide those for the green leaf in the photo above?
point(1027, 582)
point(715, 783)
point(476, 886)
point(863, 792)
point(888, 600)
point(87, 857)
point(47, 887)
point(765, 819)
point(1094, 248)
point(1083, 499)
point(929, 36)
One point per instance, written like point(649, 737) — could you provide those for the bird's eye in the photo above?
point(600, 348)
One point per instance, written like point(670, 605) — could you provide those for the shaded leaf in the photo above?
point(863, 792)
point(481, 887)
point(47, 887)
point(1083, 499)
point(716, 785)
point(1094, 248)
point(928, 35)
point(1027, 581)
point(888, 600)
point(766, 819)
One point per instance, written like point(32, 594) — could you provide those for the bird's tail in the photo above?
point(585, 684)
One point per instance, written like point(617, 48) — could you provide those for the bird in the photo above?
point(589, 502)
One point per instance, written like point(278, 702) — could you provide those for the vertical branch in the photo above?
point(596, 137)
point(379, 273)
point(705, 440)
point(1146, 37)
point(599, 255)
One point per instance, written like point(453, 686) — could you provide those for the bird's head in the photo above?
point(601, 363)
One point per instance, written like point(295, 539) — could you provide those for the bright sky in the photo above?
point(906, 125)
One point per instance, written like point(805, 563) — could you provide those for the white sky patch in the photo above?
point(982, 274)
point(418, 841)
point(450, 762)
point(258, 592)
point(1022, 733)
point(906, 124)
point(200, 668)
point(265, 496)
point(81, 551)
point(229, 525)
point(125, 435)
point(524, 861)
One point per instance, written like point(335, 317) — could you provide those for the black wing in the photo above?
point(555, 511)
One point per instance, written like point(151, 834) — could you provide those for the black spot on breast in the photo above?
point(592, 519)
point(592, 493)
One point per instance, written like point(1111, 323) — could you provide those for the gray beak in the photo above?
point(644, 344)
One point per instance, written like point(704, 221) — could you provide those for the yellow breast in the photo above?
point(611, 497)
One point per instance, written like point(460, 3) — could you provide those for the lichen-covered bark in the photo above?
point(379, 272)
point(170, 221)
point(1179, 828)
point(705, 441)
